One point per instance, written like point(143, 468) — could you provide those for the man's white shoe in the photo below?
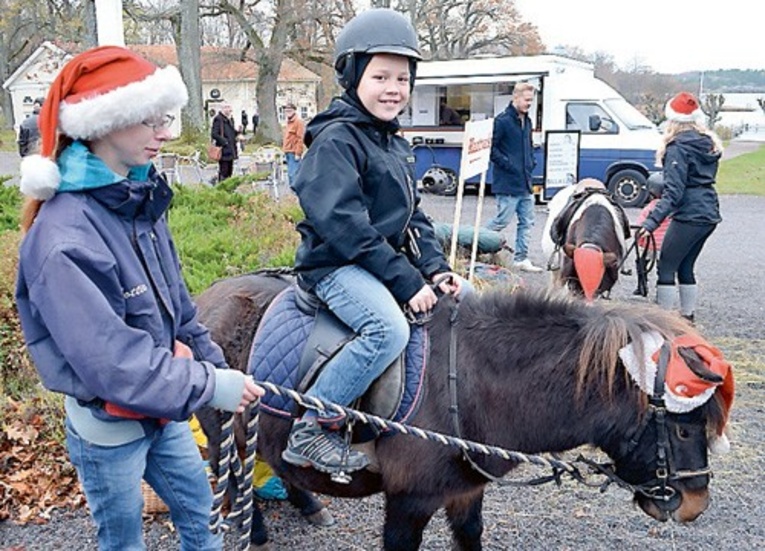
point(526, 266)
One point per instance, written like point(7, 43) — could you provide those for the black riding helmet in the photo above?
point(375, 31)
point(656, 184)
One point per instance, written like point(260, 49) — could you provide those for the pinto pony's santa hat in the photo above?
point(97, 92)
point(684, 107)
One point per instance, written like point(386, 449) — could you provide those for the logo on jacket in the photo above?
point(136, 291)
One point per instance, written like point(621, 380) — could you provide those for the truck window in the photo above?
point(579, 114)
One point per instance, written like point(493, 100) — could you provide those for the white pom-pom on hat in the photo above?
point(40, 177)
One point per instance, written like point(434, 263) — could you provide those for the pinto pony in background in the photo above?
point(590, 229)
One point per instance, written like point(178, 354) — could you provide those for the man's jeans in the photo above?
point(169, 460)
point(292, 167)
point(523, 207)
point(365, 305)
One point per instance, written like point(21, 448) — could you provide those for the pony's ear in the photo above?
point(610, 260)
point(569, 249)
point(698, 367)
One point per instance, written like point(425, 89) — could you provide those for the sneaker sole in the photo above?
point(300, 461)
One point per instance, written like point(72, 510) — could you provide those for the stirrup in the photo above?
point(339, 476)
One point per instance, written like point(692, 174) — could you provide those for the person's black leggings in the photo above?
point(225, 169)
point(679, 251)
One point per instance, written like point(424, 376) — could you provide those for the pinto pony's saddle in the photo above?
point(299, 334)
point(560, 226)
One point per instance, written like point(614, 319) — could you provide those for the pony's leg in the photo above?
point(308, 505)
point(466, 519)
point(258, 534)
point(405, 520)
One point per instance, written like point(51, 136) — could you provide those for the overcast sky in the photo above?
point(671, 36)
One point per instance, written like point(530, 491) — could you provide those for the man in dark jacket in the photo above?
point(512, 155)
point(29, 132)
point(224, 134)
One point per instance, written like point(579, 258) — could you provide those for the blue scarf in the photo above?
point(81, 170)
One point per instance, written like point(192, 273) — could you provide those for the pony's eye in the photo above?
point(683, 433)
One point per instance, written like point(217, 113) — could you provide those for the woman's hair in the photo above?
point(674, 128)
point(31, 206)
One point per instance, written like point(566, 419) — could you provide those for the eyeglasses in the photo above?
point(159, 124)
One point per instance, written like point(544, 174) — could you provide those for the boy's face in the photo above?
point(384, 87)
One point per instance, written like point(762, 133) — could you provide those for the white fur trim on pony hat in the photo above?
point(684, 107)
point(97, 92)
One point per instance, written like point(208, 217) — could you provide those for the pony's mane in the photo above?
point(596, 331)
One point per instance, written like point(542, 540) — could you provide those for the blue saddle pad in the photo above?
point(278, 346)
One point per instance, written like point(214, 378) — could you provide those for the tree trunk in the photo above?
point(188, 49)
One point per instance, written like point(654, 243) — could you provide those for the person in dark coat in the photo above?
point(690, 156)
point(29, 132)
point(224, 134)
point(366, 247)
point(245, 122)
point(512, 156)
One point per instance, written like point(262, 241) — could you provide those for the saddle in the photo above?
point(560, 225)
point(298, 335)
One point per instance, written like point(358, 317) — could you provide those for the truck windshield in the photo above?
point(627, 114)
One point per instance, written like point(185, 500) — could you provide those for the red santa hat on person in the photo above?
point(684, 107)
point(97, 92)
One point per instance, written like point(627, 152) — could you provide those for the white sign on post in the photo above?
point(476, 152)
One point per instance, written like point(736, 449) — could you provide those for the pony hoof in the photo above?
point(262, 547)
point(322, 517)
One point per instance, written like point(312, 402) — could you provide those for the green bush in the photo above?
point(10, 205)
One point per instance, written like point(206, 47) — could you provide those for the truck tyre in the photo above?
point(629, 188)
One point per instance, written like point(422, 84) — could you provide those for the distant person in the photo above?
point(29, 132)
point(512, 155)
point(449, 116)
point(106, 315)
point(224, 134)
point(690, 154)
point(245, 122)
point(292, 144)
point(255, 121)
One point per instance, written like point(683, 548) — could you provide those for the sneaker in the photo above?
point(526, 266)
point(311, 446)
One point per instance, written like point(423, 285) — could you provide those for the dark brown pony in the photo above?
point(536, 373)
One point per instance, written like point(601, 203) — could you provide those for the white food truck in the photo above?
point(617, 143)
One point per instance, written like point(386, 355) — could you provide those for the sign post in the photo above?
point(476, 150)
point(561, 160)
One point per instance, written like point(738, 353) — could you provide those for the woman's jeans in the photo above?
point(365, 305)
point(681, 247)
point(169, 460)
point(523, 207)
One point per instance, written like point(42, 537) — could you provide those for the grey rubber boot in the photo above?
point(666, 296)
point(689, 294)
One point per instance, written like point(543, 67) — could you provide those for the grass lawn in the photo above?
point(743, 175)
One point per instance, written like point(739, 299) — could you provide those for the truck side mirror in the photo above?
point(595, 123)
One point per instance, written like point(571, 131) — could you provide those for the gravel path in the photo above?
point(571, 517)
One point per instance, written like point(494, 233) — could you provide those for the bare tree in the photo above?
point(712, 105)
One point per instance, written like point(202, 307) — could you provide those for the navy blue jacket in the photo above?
point(356, 186)
point(102, 301)
point(690, 170)
point(512, 154)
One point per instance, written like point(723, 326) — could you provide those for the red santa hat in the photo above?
point(684, 107)
point(97, 92)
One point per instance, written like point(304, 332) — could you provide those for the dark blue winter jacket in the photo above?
point(690, 171)
point(102, 301)
point(356, 186)
point(512, 154)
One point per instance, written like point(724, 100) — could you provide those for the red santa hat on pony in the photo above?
point(684, 107)
point(97, 92)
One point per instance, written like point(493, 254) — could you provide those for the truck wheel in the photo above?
point(628, 187)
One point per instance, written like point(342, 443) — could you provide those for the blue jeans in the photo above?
point(365, 305)
point(292, 167)
point(523, 207)
point(168, 459)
